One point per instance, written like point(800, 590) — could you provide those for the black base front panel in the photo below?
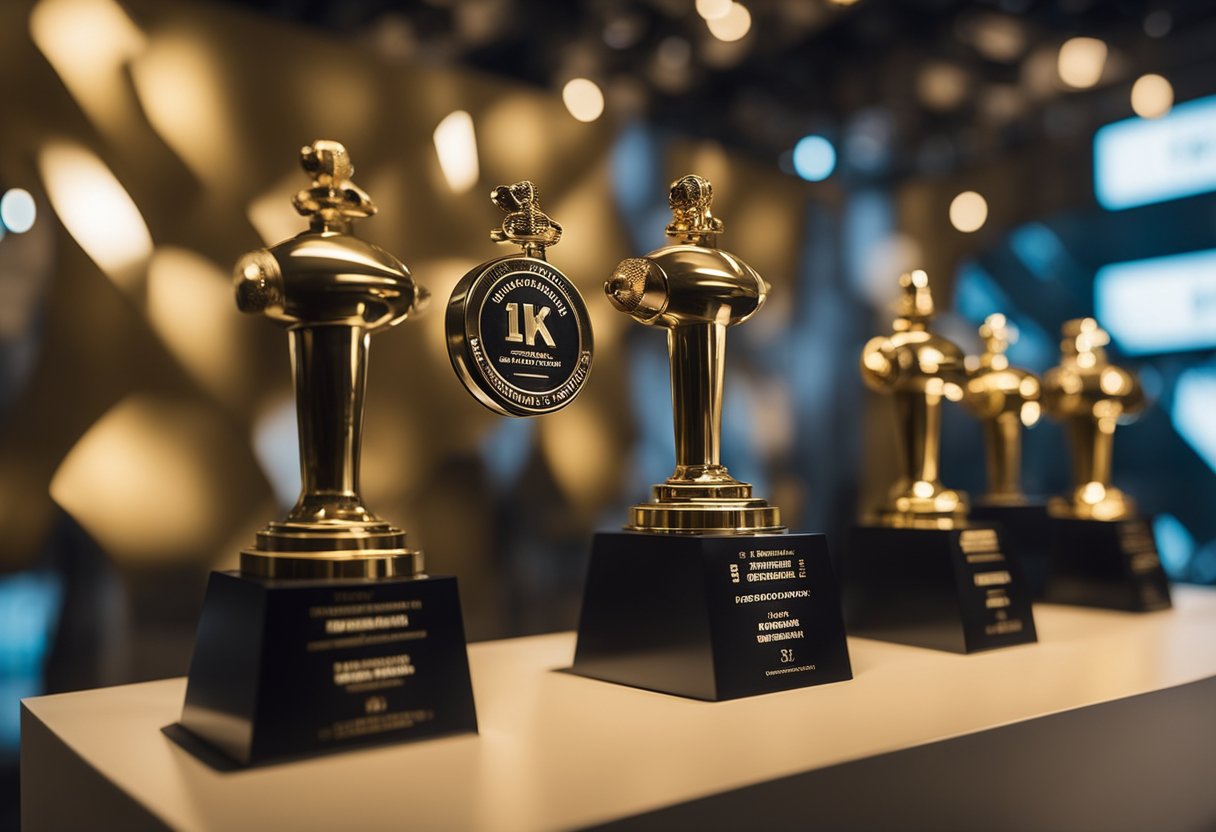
point(1026, 534)
point(946, 589)
point(711, 617)
point(284, 668)
point(1101, 563)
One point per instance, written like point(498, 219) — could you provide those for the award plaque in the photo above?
point(918, 572)
point(329, 635)
point(1006, 399)
point(1103, 554)
point(519, 335)
point(704, 594)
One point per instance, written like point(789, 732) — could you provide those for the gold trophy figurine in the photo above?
point(1091, 397)
point(674, 602)
point(918, 571)
point(918, 369)
point(695, 291)
point(1103, 553)
point(303, 650)
point(332, 291)
point(1005, 399)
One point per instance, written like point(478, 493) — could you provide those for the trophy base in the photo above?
point(711, 617)
point(1026, 532)
point(362, 563)
point(289, 668)
point(1105, 563)
point(945, 589)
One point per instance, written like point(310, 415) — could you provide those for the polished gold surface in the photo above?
point(1091, 397)
point(1005, 399)
point(525, 224)
point(918, 369)
point(535, 364)
point(695, 291)
point(332, 291)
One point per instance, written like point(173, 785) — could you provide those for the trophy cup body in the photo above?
point(1006, 400)
point(704, 594)
point(1103, 554)
point(918, 572)
point(329, 635)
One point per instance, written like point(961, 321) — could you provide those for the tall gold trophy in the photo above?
point(704, 594)
point(330, 634)
point(1103, 554)
point(1007, 400)
point(917, 570)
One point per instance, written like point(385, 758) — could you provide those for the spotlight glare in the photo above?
point(584, 99)
point(714, 9)
point(1081, 62)
point(17, 210)
point(456, 146)
point(814, 158)
point(1152, 96)
point(968, 212)
point(731, 26)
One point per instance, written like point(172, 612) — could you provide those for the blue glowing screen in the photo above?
point(1141, 161)
point(1163, 304)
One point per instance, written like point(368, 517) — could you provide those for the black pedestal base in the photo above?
point(944, 589)
point(1026, 534)
point(293, 667)
point(1100, 563)
point(711, 617)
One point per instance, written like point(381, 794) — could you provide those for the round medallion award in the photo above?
point(519, 335)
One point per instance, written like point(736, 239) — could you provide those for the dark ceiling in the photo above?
point(904, 86)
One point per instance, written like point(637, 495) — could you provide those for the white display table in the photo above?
point(557, 751)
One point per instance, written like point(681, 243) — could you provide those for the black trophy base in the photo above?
point(711, 617)
point(1108, 564)
point(1026, 534)
point(286, 668)
point(945, 589)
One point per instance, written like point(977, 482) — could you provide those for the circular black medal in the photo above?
point(519, 336)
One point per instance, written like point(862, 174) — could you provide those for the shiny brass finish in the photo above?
point(918, 369)
point(1004, 399)
point(695, 291)
point(332, 291)
point(1091, 397)
point(518, 332)
point(525, 224)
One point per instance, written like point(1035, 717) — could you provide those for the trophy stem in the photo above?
point(330, 366)
point(918, 437)
point(1092, 451)
point(698, 359)
point(1004, 441)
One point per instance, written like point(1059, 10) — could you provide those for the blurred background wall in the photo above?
point(1043, 158)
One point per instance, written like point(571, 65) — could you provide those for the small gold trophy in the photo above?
point(304, 649)
point(703, 594)
point(918, 572)
point(1006, 400)
point(1103, 553)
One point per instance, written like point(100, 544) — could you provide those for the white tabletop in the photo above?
point(557, 751)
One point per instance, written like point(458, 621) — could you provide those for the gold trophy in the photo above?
point(918, 572)
point(330, 634)
point(704, 594)
point(1103, 553)
point(1006, 400)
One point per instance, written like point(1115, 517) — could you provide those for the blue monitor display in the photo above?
point(1141, 161)
point(1163, 304)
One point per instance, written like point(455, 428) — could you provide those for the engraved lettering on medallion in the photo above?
point(534, 324)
